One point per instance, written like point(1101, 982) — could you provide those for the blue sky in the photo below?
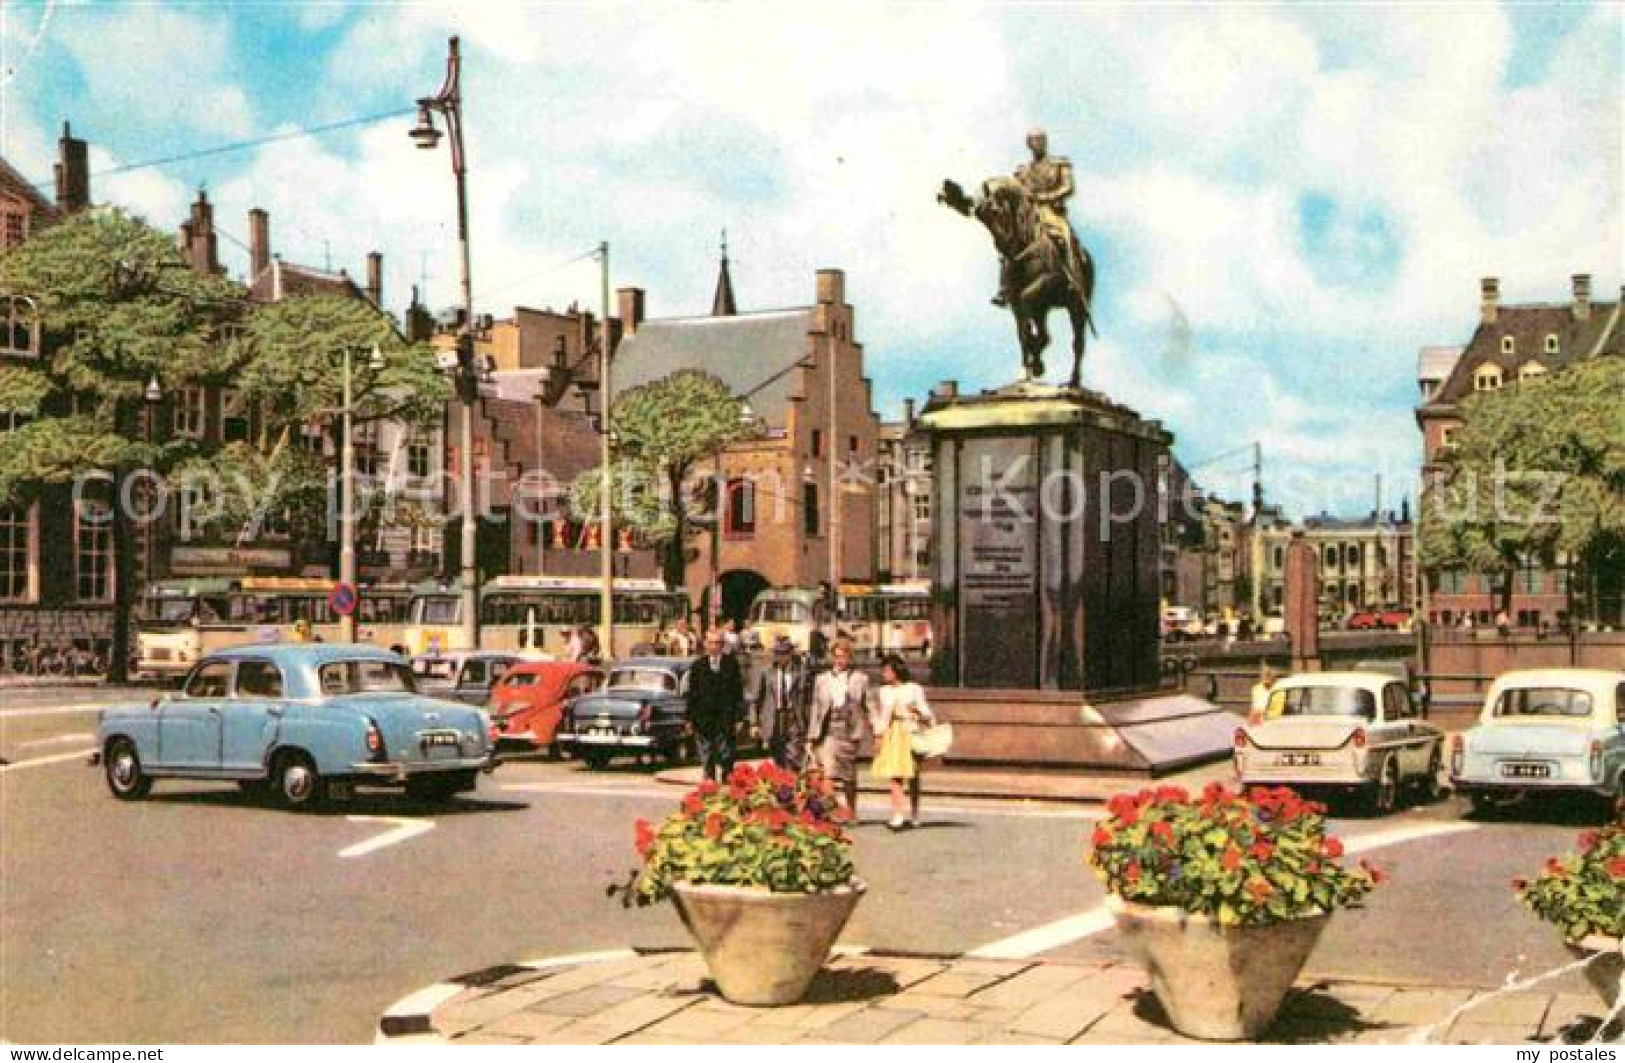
point(1314, 190)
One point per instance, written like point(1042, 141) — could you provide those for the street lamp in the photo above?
point(448, 103)
point(153, 395)
point(375, 362)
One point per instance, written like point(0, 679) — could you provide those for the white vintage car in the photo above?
point(1544, 731)
point(1342, 731)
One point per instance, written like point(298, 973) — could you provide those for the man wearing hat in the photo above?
point(782, 697)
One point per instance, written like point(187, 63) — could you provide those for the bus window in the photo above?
point(864, 610)
point(439, 610)
point(909, 609)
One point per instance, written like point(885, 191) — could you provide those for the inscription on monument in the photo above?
point(999, 586)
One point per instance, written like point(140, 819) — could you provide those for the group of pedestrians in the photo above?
point(807, 718)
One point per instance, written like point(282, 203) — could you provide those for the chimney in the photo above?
point(72, 173)
point(948, 389)
point(203, 247)
point(375, 278)
point(259, 243)
point(1582, 296)
point(831, 286)
point(1489, 299)
point(630, 304)
point(908, 413)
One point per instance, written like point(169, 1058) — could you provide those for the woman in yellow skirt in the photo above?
point(899, 712)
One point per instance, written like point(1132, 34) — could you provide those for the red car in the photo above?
point(527, 702)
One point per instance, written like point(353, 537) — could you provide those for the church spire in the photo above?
point(722, 304)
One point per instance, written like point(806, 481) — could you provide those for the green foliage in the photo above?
point(241, 487)
point(59, 449)
point(23, 389)
point(767, 827)
point(635, 499)
point(1243, 859)
point(1583, 893)
point(1537, 470)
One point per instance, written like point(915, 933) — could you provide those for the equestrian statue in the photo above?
point(1042, 266)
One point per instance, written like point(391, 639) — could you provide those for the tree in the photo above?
point(118, 308)
point(291, 356)
point(660, 432)
point(1537, 473)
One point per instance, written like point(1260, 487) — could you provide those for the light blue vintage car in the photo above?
point(1545, 731)
point(301, 723)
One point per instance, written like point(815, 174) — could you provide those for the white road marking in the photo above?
point(81, 736)
point(40, 762)
point(59, 710)
point(403, 830)
point(1099, 920)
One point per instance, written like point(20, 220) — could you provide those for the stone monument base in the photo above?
point(1151, 732)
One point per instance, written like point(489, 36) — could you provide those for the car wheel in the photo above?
point(124, 775)
point(1430, 788)
point(596, 761)
point(1384, 795)
point(298, 785)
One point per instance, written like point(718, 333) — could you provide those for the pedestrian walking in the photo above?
point(1261, 693)
point(731, 640)
point(840, 711)
point(680, 639)
point(591, 652)
point(716, 704)
point(783, 694)
point(573, 646)
point(900, 712)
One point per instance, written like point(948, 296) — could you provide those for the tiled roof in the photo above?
point(1529, 325)
point(754, 354)
point(301, 280)
point(15, 184)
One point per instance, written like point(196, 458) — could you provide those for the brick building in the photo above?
point(801, 499)
point(1510, 345)
point(903, 500)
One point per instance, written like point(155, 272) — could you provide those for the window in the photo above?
point(1529, 578)
point(367, 676)
point(1508, 345)
point(13, 226)
point(17, 554)
point(741, 507)
point(1396, 703)
point(1447, 437)
point(1280, 557)
point(188, 415)
point(258, 679)
point(209, 680)
point(810, 524)
point(1487, 378)
point(1531, 370)
point(21, 327)
point(817, 443)
point(1551, 344)
point(93, 552)
point(560, 354)
point(1330, 557)
point(417, 458)
point(851, 444)
point(1543, 701)
point(1322, 701)
point(1351, 555)
point(922, 506)
point(233, 416)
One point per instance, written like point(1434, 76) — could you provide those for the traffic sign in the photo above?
point(344, 598)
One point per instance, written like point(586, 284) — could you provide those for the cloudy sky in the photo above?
point(1284, 203)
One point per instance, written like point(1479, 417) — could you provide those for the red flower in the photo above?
point(646, 837)
point(1132, 871)
point(1102, 837)
point(1554, 866)
point(692, 804)
point(1231, 859)
point(1520, 884)
point(1261, 850)
point(1163, 832)
point(1378, 877)
point(1616, 867)
point(714, 826)
point(707, 788)
point(1588, 840)
point(1259, 888)
point(1332, 847)
point(1173, 794)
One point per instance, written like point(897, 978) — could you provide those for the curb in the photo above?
point(410, 1020)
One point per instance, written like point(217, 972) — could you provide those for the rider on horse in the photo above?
point(1048, 181)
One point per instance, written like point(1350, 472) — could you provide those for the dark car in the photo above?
point(641, 709)
point(462, 675)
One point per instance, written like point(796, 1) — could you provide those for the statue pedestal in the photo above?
point(1046, 583)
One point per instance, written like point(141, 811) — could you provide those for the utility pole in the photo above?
point(834, 483)
point(1258, 536)
point(606, 538)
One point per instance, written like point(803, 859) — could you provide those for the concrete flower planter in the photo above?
point(1607, 970)
point(764, 948)
point(1219, 983)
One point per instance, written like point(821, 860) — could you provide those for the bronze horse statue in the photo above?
point(1043, 274)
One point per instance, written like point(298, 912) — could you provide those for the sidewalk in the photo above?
point(631, 997)
point(1031, 784)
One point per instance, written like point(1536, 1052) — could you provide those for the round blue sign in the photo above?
point(343, 599)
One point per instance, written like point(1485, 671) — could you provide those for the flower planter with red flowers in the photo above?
point(1222, 897)
point(760, 870)
point(1584, 894)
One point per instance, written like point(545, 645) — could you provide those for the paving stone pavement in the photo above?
point(874, 998)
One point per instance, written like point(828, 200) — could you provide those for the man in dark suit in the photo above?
point(716, 704)
point(783, 694)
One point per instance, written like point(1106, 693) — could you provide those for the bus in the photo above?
point(534, 615)
point(878, 619)
point(182, 620)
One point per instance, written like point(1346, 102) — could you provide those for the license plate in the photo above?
point(1298, 760)
point(432, 739)
point(1527, 771)
point(599, 738)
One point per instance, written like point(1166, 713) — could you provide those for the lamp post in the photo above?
point(606, 544)
point(375, 362)
point(153, 395)
point(448, 103)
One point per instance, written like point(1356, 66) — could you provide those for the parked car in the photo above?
point(1544, 731)
point(528, 702)
point(462, 675)
point(300, 722)
point(642, 708)
point(1358, 732)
